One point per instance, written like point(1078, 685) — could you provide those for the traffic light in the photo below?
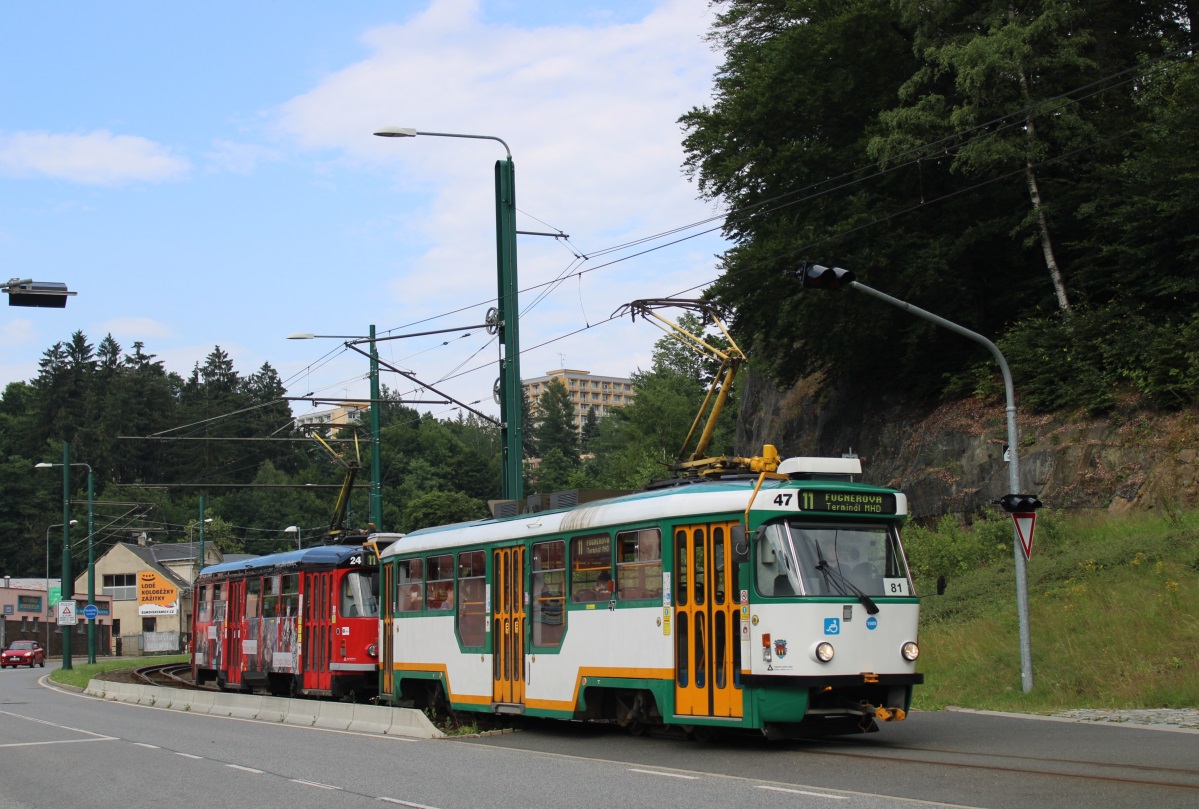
point(42, 294)
point(819, 277)
point(1019, 503)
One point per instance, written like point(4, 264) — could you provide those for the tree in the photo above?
point(441, 508)
point(555, 428)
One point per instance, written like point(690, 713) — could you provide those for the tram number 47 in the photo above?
point(783, 499)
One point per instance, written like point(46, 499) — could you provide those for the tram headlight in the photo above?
point(910, 651)
point(373, 650)
point(823, 651)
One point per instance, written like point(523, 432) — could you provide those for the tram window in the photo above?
point(472, 593)
point(289, 598)
point(639, 564)
point(270, 598)
point(440, 590)
point(682, 568)
point(411, 579)
point(359, 594)
point(774, 570)
point(591, 568)
point(548, 592)
point(205, 608)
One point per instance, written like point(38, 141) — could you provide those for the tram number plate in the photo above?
point(896, 587)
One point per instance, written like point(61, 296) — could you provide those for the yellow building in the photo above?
point(587, 391)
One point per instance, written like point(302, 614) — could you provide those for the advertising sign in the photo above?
point(156, 595)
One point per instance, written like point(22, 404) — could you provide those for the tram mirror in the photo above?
point(740, 543)
point(940, 585)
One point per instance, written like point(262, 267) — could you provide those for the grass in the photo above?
point(79, 674)
point(1113, 612)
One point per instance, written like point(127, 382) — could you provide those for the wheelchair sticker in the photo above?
point(832, 626)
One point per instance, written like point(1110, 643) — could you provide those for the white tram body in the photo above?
point(779, 604)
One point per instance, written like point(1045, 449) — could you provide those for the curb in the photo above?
point(376, 719)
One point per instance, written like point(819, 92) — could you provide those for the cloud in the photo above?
point(95, 158)
point(16, 332)
point(136, 328)
point(590, 113)
point(240, 158)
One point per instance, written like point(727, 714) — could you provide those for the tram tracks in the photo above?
point(1053, 767)
point(168, 675)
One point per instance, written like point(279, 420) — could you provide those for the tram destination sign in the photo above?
point(847, 502)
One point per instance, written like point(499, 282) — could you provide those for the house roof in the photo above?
point(155, 557)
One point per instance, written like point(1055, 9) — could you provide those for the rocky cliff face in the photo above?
point(949, 459)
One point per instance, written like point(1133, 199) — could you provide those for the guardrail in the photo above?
point(300, 712)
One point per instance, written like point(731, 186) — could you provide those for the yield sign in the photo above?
point(1025, 525)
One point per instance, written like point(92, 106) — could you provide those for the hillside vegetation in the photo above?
point(1114, 613)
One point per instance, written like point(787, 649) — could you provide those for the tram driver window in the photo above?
point(410, 580)
point(591, 568)
point(774, 573)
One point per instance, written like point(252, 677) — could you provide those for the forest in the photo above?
point(156, 442)
point(1028, 169)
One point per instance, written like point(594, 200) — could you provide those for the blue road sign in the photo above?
point(90, 612)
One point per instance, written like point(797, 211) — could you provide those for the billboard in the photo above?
point(156, 595)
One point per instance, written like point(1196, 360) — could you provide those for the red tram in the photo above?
point(303, 622)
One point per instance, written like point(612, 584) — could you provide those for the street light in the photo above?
point(51, 614)
point(295, 529)
point(835, 278)
point(67, 580)
point(506, 319)
point(375, 498)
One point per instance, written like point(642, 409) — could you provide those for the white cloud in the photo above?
point(240, 158)
point(590, 113)
point(135, 328)
point(16, 332)
point(95, 158)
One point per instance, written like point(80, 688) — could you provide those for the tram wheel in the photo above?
point(702, 733)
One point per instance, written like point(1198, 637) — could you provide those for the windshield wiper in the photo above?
point(867, 601)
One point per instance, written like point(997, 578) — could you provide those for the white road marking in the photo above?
point(404, 803)
point(803, 792)
point(313, 784)
point(666, 774)
point(189, 755)
point(244, 769)
point(148, 746)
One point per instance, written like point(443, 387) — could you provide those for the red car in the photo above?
point(23, 653)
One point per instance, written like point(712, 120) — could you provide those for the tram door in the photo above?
point(508, 624)
point(707, 634)
point(315, 631)
point(235, 627)
point(386, 642)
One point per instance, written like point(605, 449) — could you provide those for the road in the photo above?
point(61, 749)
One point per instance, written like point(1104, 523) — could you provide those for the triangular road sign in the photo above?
point(1025, 525)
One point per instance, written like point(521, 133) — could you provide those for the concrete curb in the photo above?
point(376, 719)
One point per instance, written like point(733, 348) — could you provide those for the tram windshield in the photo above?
point(794, 557)
point(360, 594)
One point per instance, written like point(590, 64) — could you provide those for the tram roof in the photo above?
point(316, 556)
point(694, 499)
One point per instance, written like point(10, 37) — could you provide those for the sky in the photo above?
point(206, 174)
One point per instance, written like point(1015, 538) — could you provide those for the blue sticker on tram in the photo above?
point(872, 622)
point(832, 626)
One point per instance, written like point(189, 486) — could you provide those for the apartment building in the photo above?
point(604, 393)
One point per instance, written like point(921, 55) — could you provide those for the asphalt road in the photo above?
point(61, 749)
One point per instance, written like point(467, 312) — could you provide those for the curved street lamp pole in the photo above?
point(67, 580)
point(507, 308)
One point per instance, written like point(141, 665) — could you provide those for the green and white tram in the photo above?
point(778, 602)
